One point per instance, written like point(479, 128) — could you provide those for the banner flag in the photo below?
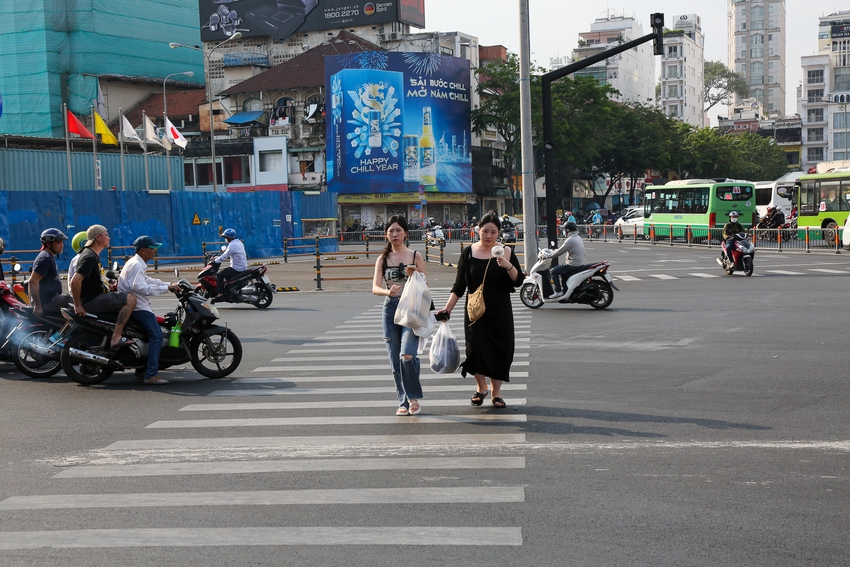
point(106, 135)
point(174, 134)
point(153, 136)
point(76, 127)
point(130, 132)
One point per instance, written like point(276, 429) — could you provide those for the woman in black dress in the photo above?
point(490, 339)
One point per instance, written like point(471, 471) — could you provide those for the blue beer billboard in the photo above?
point(398, 123)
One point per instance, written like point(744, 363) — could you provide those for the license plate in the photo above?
point(266, 279)
point(608, 277)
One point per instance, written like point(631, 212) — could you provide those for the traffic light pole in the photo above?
point(548, 145)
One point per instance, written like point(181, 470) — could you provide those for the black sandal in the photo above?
point(478, 398)
point(499, 403)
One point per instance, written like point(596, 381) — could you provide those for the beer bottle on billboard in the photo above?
point(427, 151)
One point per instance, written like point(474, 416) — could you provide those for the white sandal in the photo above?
point(402, 411)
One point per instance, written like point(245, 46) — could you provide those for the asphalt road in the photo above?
point(700, 420)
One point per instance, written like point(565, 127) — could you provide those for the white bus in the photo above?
point(770, 194)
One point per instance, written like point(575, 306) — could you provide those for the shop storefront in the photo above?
point(372, 210)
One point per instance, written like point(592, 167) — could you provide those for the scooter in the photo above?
point(434, 236)
point(741, 255)
point(191, 335)
point(508, 234)
point(251, 286)
point(592, 285)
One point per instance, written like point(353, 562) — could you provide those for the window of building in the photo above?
point(271, 160)
point(759, 95)
point(757, 73)
point(842, 79)
point(672, 72)
point(814, 95)
point(756, 52)
point(672, 90)
point(839, 119)
point(743, 25)
point(839, 140)
point(814, 115)
point(793, 158)
point(814, 134)
point(757, 39)
point(673, 51)
point(814, 154)
point(814, 77)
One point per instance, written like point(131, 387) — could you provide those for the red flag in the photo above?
point(75, 126)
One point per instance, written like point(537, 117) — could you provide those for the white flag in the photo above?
point(173, 134)
point(129, 132)
point(153, 136)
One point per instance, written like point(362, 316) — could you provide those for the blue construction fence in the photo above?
point(182, 220)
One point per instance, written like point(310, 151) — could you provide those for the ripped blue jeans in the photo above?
point(400, 342)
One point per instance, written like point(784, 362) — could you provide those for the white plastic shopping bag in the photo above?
point(445, 354)
point(414, 305)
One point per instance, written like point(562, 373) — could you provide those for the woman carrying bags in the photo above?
point(395, 265)
point(490, 338)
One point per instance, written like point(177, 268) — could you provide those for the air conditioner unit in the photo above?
point(382, 37)
point(395, 35)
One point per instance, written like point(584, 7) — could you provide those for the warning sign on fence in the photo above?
point(196, 219)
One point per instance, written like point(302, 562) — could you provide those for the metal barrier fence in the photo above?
point(415, 235)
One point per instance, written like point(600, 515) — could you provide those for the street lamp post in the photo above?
point(165, 119)
point(207, 57)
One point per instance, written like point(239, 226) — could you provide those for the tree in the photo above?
point(720, 83)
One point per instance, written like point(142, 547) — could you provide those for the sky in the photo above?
point(555, 25)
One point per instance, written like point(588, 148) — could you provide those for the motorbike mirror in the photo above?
point(17, 268)
point(176, 273)
point(115, 265)
point(223, 248)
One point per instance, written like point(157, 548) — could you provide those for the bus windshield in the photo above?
point(734, 193)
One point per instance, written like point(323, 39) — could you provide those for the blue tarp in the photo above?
point(182, 221)
point(245, 117)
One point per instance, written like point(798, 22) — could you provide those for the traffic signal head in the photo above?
point(657, 21)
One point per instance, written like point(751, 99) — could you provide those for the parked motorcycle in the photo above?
point(214, 350)
point(742, 254)
point(37, 342)
point(251, 286)
point(592, 285)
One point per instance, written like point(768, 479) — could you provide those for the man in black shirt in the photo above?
point(90, 292)
point(45, 287)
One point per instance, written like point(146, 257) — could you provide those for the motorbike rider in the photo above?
point(45, 287)
point(776, 218)
point(573, 247)
point(730, 229)
point(506, 222)
point(134, 281)
point(597, 217)
point(238, 262)
point(89, 291)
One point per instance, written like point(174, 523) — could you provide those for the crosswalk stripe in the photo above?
point(784, 272)
point(292, 465)
point(387, 390)
point(702, 275)
point(663, 277)
point(430, 495)
point(343, 367)
point(289, 442)
point(232, 536)
point(827, 271)
point(326, 356)
point(357, 378)
point(336, 420)
point(335, 404)
point(627, 278)
point(340, 341)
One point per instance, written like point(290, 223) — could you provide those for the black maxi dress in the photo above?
point(490, 340)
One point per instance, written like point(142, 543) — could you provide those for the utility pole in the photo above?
point(529, 191)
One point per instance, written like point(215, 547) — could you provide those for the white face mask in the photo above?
point(733, 219)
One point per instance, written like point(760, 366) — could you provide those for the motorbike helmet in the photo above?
point(53, 235)
point(78, 241)
point(733, 215)
point(229, 233)
point(570, 226)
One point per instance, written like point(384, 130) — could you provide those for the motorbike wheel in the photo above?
point(829, 233)
point(81, 371)
point(30, 362)
point(216, 356)
point(265, 297)
point(530, 297)
point(605, 296)
point(748, 266)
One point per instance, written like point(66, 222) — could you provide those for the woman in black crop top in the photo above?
point(392, 269)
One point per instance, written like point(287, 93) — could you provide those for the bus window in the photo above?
point(734, 193)
point(845, 195)
point(829, 195)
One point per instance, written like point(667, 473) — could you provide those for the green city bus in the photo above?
point(823, 201)
point(701, 204)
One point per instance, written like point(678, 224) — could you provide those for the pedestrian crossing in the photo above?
point(339, 381)
point(704, 275)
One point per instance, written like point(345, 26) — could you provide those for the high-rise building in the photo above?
point(756, 50)
point(682, 65)
point(824, 93)
point(632, 72)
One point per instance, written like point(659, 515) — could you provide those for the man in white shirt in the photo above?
point(235, 251)
point(133, 280)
